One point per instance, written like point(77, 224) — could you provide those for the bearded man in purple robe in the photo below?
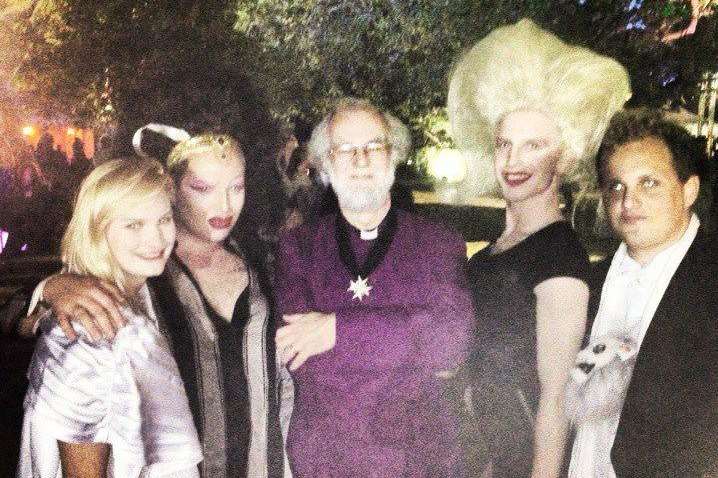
point(375, 307)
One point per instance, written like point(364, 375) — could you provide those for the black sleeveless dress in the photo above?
point(503, 365)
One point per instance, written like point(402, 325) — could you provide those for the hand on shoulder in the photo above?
point(90, 301)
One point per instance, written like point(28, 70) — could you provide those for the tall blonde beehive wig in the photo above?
point(110, 187)
point(523, 67)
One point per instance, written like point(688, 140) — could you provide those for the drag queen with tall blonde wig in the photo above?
point(529, 112)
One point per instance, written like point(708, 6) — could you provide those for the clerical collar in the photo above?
point(378, 250)
point(369, 235)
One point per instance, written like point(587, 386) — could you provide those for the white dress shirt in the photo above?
point(128, 394)
point(629, 299)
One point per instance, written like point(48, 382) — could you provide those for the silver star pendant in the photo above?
point(360, 288)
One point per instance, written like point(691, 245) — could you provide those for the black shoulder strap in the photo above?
point(174, 324)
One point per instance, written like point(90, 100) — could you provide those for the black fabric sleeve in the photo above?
point(559, 253)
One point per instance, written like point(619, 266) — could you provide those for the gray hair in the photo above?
point(320, 144)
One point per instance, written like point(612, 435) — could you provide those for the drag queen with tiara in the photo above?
point(529, 112)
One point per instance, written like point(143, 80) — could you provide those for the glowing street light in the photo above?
point(447, 165)
point(28, 130)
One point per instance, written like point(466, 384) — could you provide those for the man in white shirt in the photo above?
point(660, 291)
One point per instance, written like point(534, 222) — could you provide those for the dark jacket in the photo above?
point(669, 421)
point(183, 318)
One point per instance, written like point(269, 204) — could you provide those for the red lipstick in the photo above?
point(221, 222)
point(515, 179)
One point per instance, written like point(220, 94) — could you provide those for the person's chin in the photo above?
point(219, 235)
point(364, 182)
point(213, 235)
point(144, 273)
point(516, 194)
point(636, 237)
point(360, 201)
point(154, 269)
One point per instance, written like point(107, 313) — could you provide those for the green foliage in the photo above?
point(399, 53)
point(195, 63)
point(135, 61)
point(395, 53)
point(661, 74)
point(436, 131)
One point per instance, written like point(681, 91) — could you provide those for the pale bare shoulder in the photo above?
point(561, 288)
point(561, 303)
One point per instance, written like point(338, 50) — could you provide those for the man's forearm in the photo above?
point(19, 315)
point(84, 460)
point(27, 326)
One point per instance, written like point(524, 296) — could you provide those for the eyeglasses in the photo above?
point(372, 150)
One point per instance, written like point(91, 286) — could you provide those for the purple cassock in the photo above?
point(372, 406)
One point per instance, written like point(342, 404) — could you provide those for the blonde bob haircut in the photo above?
point(219, 145)
point(320, 144)
point(104, 193)
point(522, 67)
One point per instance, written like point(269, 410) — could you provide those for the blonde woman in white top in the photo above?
point(112, 409)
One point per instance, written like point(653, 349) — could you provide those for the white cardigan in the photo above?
point(127, 393)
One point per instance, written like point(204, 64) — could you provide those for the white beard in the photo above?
point(362, 199)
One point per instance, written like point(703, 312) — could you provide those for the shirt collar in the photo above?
point(370, 234)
